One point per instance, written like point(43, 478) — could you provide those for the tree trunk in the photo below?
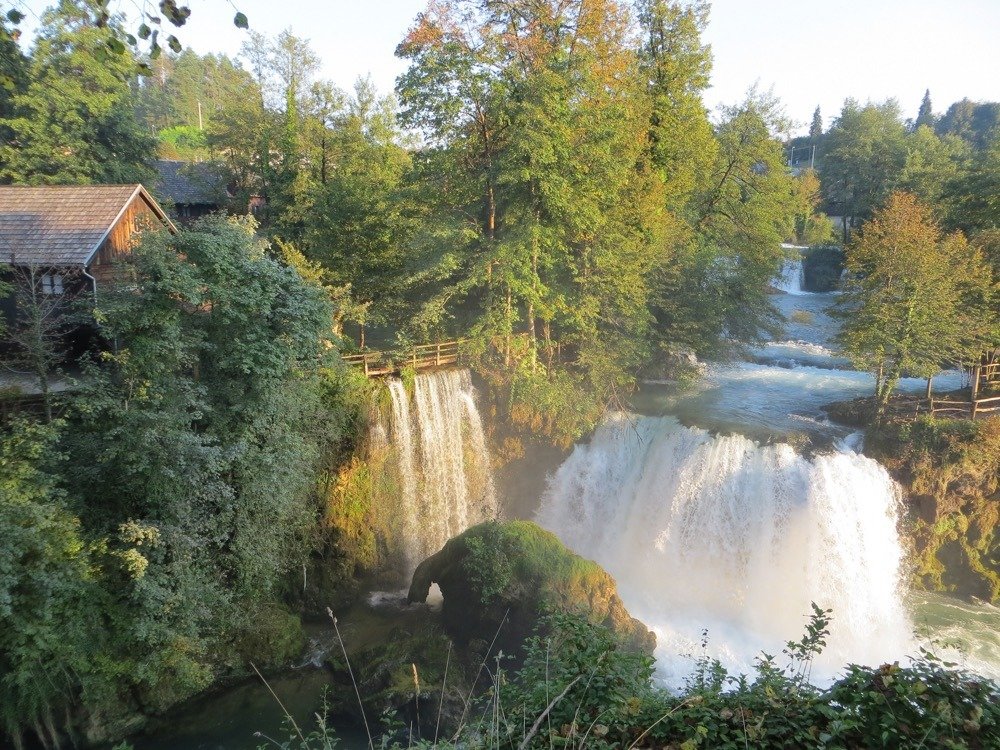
point(509, 327)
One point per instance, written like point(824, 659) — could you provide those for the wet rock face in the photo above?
point(499, 579)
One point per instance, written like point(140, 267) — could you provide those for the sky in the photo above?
point(809, 53)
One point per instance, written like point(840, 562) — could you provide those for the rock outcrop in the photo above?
point(513, 573)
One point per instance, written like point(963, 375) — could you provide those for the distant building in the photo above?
point(72, 235)
point(189, 190)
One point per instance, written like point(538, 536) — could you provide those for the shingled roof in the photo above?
point(182, 182)
point(62, 225)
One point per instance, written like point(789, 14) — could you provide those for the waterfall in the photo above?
point(791, 279)
point(723, 534)
point(442, 462)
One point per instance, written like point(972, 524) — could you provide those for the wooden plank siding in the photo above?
point(122, 239)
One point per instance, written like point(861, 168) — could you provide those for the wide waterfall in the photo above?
point(443, 466)
point(720, 533)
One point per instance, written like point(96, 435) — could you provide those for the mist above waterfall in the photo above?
point(441, 459)
point(720, 533)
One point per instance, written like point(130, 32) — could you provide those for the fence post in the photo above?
point(974, 405)
point(437, 358)
point(976, 374)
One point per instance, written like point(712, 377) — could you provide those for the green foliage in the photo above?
point(49, 604)
point(915, 299)
point(863, 155)
point(714, 293)
point(579, 688)
point(184, 142)
point(73, 121)
point(153, 530)
point(976, 123)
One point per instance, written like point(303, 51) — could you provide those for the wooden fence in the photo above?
point(973, 407)
point(378, 364)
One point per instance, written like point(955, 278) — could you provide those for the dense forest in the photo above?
point(545, 183)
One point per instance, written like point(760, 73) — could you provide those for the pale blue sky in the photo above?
point(809, 52)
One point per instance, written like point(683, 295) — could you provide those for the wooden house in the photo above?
point(73, 234)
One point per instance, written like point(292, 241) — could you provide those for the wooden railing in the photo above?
point(377, 364)
point(973, 408)
point(989, 373)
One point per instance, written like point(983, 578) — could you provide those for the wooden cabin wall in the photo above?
point(122, 239)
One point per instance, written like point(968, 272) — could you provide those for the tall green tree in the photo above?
point(537, 129)
point(74, 121)
point(677, 64)
point(930, 163)
point(925, 115)
point(976, 123)
point(972, 197)
point(360, 221)
point(863, 156)
point(916, 299)
point(715, 294)
point(816, 126)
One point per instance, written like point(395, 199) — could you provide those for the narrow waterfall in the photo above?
point(723, 534)
point(443, 466)
point(791, 279)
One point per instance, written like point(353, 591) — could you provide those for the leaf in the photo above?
point(177, 15)
point(174, 43)
point(144, 31)
point(115, 45)
point(241, 22)
point(15, 16)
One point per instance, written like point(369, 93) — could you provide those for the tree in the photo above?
point(13, 74)
point(973, 196)
point(359, 225)
point(49, 605)
point(74, 121)
point(811, 226)
point(925, 115)
point(43, 305)
point(714, 295)
point(677, 65)
point(863, 156)
point(915, 299)
point(816, 127)
point(545, 209)
point(930, 163)
point(976, 123)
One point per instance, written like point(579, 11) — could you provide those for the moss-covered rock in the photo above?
point(511, 574)
point(951, 471)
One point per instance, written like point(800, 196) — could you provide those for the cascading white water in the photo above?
point(791, 279)
point(725, 534)
point(442, 461)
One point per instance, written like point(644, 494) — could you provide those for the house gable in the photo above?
point(73, 226)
